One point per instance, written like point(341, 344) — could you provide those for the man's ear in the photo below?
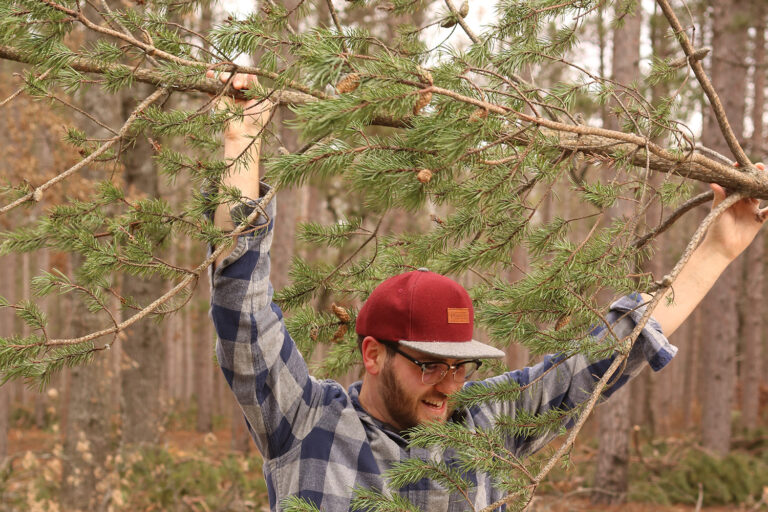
point(374, 355)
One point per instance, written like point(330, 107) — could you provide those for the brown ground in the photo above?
point(181, 442)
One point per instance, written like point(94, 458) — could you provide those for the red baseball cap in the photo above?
point(425, 311)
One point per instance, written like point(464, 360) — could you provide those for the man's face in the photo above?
point(407, 400)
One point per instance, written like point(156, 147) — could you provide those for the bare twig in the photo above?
point(711, 153)
point(626, 344)
point(679, 212)
point(20, 90)
point(36, 194)
point(337, 23)
point(706, 85)
point(11, 97)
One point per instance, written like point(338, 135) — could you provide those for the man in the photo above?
point(319, 441)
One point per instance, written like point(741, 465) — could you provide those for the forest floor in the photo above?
point(33, 453)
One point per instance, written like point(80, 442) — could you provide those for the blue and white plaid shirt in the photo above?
point(318, 443)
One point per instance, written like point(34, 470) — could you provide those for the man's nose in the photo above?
point(447, 385)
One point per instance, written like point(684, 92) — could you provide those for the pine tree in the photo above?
point(453, 134)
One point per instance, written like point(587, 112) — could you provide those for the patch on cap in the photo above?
point(458, 315)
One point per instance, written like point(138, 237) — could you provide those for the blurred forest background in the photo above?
point(108, 437)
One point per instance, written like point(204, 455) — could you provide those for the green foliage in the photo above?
point(460, 157)
point(368, 500)
point(296, 504)
point(737, 478)
point(410, 471)
point(165, 479)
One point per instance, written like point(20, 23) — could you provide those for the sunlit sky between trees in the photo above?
point(587, 53)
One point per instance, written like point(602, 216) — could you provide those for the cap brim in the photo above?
point(455, 349)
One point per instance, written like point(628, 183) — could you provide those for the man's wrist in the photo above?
point(715, 255)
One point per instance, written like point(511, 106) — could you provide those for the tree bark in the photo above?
point(144, 348)
point(612, 473)
point(204, 370)
point(7, 269)
point(759, 78)
point(752, 333)
point(753, 278)
point(728, 72)
point(87, 431)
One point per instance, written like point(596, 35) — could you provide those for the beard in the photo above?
point(404, 407)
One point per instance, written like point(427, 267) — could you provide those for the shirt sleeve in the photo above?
point(258, 357)
point(560, 383)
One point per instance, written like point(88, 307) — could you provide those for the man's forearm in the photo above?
point(244, 175)
point(242, 149)
point(694, 282)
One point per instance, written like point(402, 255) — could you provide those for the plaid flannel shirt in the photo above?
point(317, 441)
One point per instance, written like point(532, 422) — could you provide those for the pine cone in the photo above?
point(451, 20)
point(349, 83)
point(339, 334)
point(341, 313)
point(478, 115)
point(313, 333)
point(464, 9)
point(562, 322)
point(424, 175)
point(424, 98)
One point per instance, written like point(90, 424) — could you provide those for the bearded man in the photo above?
point(321, 441)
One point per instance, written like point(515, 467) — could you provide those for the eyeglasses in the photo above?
point(433, 372)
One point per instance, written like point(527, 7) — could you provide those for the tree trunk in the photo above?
point(204, 370)
point(759, 79)
point(728, 73)
point(752, 333)
point(661, 390)
point(144, 348)
point(611, 475)
point(752, 322)
point(7, 269)
point(87, 431)
point(241, 438)
point(41, 399)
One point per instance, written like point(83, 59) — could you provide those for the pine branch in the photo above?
point(626, 345)
point(150, 50)
point(581, 138)
point(190, 279)
point(156, 78)
point(37, 194)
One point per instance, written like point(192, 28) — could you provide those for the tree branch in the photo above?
point(625, 348)
point(37, 194)
point(193, 276)
point(679, 212)
point(151, 50)
point(706, 85)
point(461, 21)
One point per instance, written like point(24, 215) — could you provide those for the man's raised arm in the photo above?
point(242, 136)
point(728, 237)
